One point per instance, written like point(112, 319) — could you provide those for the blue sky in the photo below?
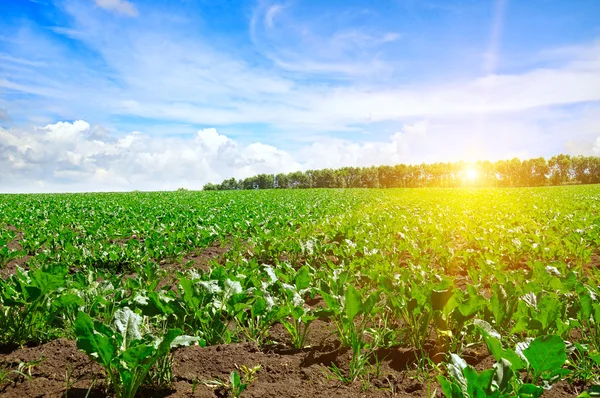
point(117, 94)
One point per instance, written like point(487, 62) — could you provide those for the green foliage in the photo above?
point(560, 169)
point(126, 355)
point(434, 270)
point(26, 298)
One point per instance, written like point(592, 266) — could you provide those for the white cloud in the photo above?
point(74, 156)
point(119, 6)
point(77, 157)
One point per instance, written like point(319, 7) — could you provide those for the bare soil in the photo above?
point(59, 369)
point(11, 267)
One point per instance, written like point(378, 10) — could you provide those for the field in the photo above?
point(320, 293)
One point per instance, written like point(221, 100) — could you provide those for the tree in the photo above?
point(560, 169)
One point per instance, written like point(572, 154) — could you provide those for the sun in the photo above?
point(471, 174)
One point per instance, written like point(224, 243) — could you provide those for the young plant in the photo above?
point(236, 384)
point(351, 330)
point(125, 354)
point(499, 382)
point(24, 302)
point(299, 316)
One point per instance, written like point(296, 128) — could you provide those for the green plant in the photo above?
point(26, 298)
point(236, 384)
point(299, 317)
point(350, 330)
point(543, 359)
point(125, 354)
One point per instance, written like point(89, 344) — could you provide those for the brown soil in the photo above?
point(11, 267)
point(47, 369)
point(283, 372)
point(200, 259)
point(594, 265)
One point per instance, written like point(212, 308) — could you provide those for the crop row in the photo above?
point(433, 270)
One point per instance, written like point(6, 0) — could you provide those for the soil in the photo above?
point(284, 371)
point(200, 259)
point(594, 264)
point(59, 369)
point(10, 268)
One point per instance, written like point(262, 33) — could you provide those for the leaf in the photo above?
point(455, 369)
point(136, 356)
point(185, 340)
point(352, 304)
point(585, 312)
point(234, 379)
point(96, 344)
point(259, 307)
point(50, 278)
point(530, 391)
point(546, 354)
point(370, 302)
point(503, 374)
point(472, 305)
point(330, 301)
point(492, 340)
point(549, 310)
point(302, 278)
point(128, 324)
point(450, 389)
point(165, 345)
point(498, 297)
point(439, 298)
point(387, 284)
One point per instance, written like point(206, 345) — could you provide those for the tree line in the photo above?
point(558, 170)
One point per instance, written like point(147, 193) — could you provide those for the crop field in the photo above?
point(302, 293)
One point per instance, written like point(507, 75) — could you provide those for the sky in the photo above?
point(119, 95)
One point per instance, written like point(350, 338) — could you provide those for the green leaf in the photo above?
point(96, 344)
point(49, 278)
point(302, 278)
point(234, 379)
point(530, 391)
point(136, 356)
point(165, 345)
point(451, 390)
point(330, 301)
point(546, 354)
point(259, 307)
point(585, 312)
point(549, 310)
point(128, 324)
point(492, 340)
point(387, 284)
point(353, 304)
point(504, 374)
point(439, 298)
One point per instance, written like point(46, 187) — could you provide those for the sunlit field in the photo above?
point(424, 292)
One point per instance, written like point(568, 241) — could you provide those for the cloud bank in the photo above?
point(74, 156)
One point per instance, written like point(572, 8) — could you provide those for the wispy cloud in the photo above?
point(120, 6)
point(303, 45)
